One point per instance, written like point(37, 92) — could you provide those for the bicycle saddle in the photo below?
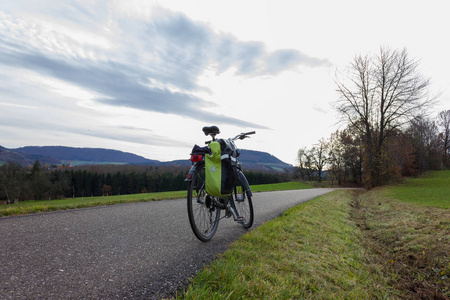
point(211, 130)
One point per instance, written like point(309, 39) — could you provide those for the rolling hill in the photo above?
point(57, 155)
point(81, 156)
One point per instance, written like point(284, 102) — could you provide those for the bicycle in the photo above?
point(204, 209)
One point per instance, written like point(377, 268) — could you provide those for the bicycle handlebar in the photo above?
point(213, 130)
point(243, 135)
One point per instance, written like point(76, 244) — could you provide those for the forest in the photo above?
point(42, 182)
point(342, 158)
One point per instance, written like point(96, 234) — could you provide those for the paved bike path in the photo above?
point(132, 251)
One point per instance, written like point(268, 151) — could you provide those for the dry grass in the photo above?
point(411, 241)
point(312, 251)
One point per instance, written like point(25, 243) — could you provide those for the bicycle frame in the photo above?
point(199, 162)
point(198, 165)
point(204, 209)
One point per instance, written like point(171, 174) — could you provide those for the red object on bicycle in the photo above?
point(196, 157)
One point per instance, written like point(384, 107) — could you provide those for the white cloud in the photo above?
point(93, 68)
point(37, 35)
point(176, 49)
point(17, 105)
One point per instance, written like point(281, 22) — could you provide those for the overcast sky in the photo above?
point(146, 76)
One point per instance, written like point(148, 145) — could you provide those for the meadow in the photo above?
point(33, 206)
point(380, 244)
point(430, 190)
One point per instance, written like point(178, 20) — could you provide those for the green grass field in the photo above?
point(430, 190)
point(280, 186)
point(28, 207)
point(344, 245)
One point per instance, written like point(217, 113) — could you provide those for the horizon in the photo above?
point(125, 152)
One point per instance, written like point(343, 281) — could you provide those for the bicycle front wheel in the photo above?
point(243, 204)
point(203, 214)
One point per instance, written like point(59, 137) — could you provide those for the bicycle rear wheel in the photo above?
point(203, 214)
point(243, 204)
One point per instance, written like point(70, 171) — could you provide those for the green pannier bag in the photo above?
point(219, 168)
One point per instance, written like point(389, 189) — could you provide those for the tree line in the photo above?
point(383, 103)
point(40, 182)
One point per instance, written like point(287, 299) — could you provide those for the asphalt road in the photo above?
point(132, 251)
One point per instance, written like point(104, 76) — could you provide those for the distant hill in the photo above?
point(7, 155)
point(264, 160)
point(85, 155)
point(250, 159)
point(56, 155)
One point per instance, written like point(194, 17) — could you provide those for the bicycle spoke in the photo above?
point(203, 217)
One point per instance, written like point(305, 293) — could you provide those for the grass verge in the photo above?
point(388, 243)
point(312, 251)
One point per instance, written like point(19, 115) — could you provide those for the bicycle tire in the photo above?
point(203, 215)
point(243, 204)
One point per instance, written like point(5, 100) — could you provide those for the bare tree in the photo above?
point(305, 161)
point(319, 157)
point(381, 94)
point(336, 158)
point(344, 157)
point(444, 123)
point(301, 162)
point(424, 136)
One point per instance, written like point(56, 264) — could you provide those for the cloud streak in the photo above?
point(158, 72)
point(252, 59)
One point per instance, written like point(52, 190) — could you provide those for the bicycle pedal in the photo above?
point(240, 220)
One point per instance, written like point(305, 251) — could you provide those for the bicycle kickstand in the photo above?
point(236, 218)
